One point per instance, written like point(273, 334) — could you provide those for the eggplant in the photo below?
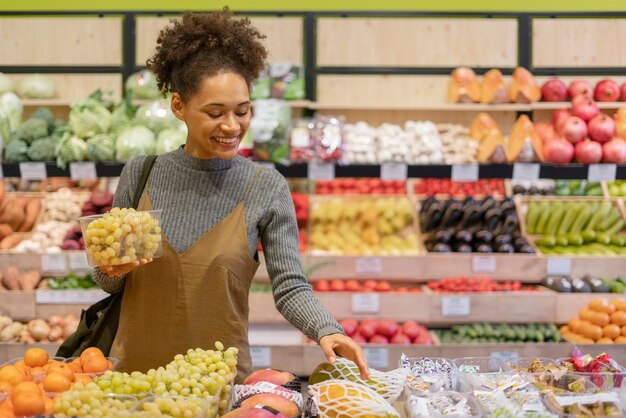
point(525, 249)
point(509, 225)
point(443, 235)
point(507, 204)
point(483, 236)
point(469, 201)
point(487, 203)
point(505, 248)
point(427, 203)
point(519, 189)
point(471, 216)
point(462, 247)
point(492, 219)
point(502, 239)
point(441, 248)
point(520, 241)
point(432, 217)
point(483, 248)
point(463, 236)
point(452, 215)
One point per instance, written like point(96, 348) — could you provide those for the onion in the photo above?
point(615, 151)
point(39, 329)
point(558, 151)
point(55, 320)
point(69, 329)
point(56, 332)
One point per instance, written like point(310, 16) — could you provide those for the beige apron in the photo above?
point(189, 300)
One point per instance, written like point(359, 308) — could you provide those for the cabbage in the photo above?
point(11, 106)
point(156, 115)
point(169, 140)
point(101, 148)
point(70, 149)
point(6, 84)
point(123, 114)
point(89, 117)
point(134, 141)
point(143, 85)
point(36, 86)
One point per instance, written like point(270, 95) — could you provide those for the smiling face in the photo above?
point(217, 116)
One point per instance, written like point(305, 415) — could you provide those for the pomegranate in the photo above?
point(584, 108)
point(554, 90)
point(379, 339)
point(359, 339)
point(546, 131)
point(601, 128)
point(588, 152)
point(607, 90)
point(558, 119)
point(400, 338)
point(614, 151)
point(574, 129)
point(387, 328)
point(558, 151)
point(350, 326)
point(367, 330)
point(577, 87)
point(622, 93)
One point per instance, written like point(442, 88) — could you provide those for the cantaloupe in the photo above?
point(524, 88)
point(482, 125)
point(493, 88)
point(491, 149)
point(463, 86)
point(525, 145)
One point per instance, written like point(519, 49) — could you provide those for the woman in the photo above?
point(216, 206)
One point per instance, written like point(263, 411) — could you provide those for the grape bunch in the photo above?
point(172, 407)
point(122, 236)
point(89, 400)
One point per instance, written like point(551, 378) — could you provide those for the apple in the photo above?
point(622, 93)
point(411, 329)
point(367, 330)
point(577, 87)
point(370, 284)
point(387, 328)
point(383, 286)
point(350, 326)
point(588, 152)
point(400, 338)
point(554, 90)
point(607, 90)
point(337, 285)
point(423, 339)
point(574, 129)
point(378, 339)
point(584, 108)
point(352, 285)
point(601, 128)
point(321, 285)
point(359, 339)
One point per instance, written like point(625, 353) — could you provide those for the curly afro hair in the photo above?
point(201, 45)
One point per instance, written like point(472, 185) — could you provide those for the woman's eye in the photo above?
point(241, 114)
point(214, 115)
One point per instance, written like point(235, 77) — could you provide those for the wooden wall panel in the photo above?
point(49, 40)
point(417, 42)
point(284, 37)
point(578, 42)
point(70, 87)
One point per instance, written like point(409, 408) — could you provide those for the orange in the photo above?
point(593, 332)
point(49, 405)
point(601, 305)
point(76, 366)
point(95, 364)
point(6, 388)
point(89, 352)
point(6, 409)
point(25, 387)
point(62, 368)
point(564, 329)
point(585, 314)
point(56, 382)
point(28, 404)
point(35, 357)
point(611, 331)
point(624, 330)
point(604, 340)
point(574, 324)
point(12, 375)
point(600, 319)
point(83, 378)
point(618, 318)
point(620, 340)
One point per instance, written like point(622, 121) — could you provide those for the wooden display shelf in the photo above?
point(569, 304)
point(18, 305)
point(46, 102)
point(445, 107)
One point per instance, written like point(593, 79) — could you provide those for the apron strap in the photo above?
point(254, 178)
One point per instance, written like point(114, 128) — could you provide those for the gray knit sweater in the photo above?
point(196, 194)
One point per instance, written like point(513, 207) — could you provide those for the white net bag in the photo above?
point(345, 399)
point(242, 392)
point(387, 384)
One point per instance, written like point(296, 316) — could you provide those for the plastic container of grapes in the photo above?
point(207, 406)
point(473, 369)
point(137, 235)
point(113, 361)
point(431, 382)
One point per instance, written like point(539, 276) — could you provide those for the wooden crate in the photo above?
point(569, 304)
point(18, 305)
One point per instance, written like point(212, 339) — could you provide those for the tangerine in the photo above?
point(83, 378)
point(62, 368)
point(611, 331)
point(76, 366)
point(620, 340)
point(56, 382)
point(8, 388)
point(26, 387)
point(601, 305)
point(624, 330)
point(36, 357)
point(11, 375)
point(600, 318)
point(28, 404)
point(95, 364)
point(6, 409)
point(604, 340)
point(619, 318)
point(90, 352)
point(49, 402)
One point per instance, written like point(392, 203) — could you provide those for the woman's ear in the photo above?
point(177, 106)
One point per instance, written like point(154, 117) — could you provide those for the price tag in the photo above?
point(318, 171)
point(53, 263)
point(559, 266)
point(505, 355)
point(267, 164)
point(368, 265)
point(393, 171)
point(465, 172)
point(484, 264)
point(33, 171)
point(70, 297)
point(455, 306)
point(599, 172)
point(588, 399)
point(377, 358)
point(365, 303)
point(83, 171)
point(78, 261)
point(261, 357)
point(526, 171)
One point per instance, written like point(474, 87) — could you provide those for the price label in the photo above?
point(53, 263)
point(73, 297)
point(588, 399)
point(599, 172)
point(559, 266)
point(318, 171)
point(465, 172)
point(505, 355)
point(261, 357)
point(267, 164)
point(484, 264)
point(393, 171)
point(368, 265)
point(78, 261)
point(83, 171)
point(33, 171)
point(377, 358)
point(526, 171)
point(455, 306)
point(365, 303)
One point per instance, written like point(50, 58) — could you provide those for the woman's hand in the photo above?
point(334, 344)
point(122, 269)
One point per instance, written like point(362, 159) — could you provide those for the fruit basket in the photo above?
point(586, 226)
point(121, 236)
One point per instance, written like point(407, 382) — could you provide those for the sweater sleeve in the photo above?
point(123, 199)
point(293, 296)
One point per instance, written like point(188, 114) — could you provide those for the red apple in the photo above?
point(558, 151)
point(321, 285)
point(400, 338)
point(352, 285)
point(577, 87)
point(411, 329)
point(370, 284)
point(383, 286)
point(607, 90)
point(350, 326)
point(601, 128)
point(614, 151)
point(367, 330)
point(558, 119)
point(588, 152)
point(622, 93)
point(337, 285)
point(553, 90)
point(423, 339)
point(378, 339)
point(584, 108)
point(387, 328)
point(574, 129)
point(359, 339)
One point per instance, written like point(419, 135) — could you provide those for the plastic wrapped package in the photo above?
point(360, 144)
point(261, 87)
point(458, 147)
point(329, 133)
point(429, 374)
point(424, 142)
point(270, 131)
point(393, 144)
point(448, 404)
point(480, 373)
point(287, 81)
point(301, 142)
